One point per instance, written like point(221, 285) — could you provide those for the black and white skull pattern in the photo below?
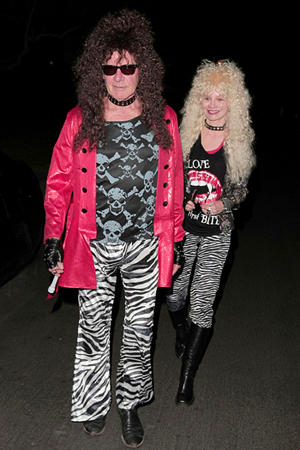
point(126, 182)
point(116, 200)
point(127, 131)
point(103, 163)
point(112, 230)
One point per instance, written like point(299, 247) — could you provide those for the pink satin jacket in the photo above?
point(70, 203)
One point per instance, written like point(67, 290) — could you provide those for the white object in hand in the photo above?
point(52, 287)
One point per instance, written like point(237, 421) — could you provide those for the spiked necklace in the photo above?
point(122, 102)
point(211, 127)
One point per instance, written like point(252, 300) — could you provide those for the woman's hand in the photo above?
point(190, 206)
point(212, 208)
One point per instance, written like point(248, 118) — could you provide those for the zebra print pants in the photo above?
point(208, 255)
point(138, 264)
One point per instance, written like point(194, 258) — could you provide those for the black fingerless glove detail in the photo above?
point(178, 253)
point(53, 252)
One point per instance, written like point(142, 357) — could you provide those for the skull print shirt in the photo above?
point(206, 172)
point(126, 182)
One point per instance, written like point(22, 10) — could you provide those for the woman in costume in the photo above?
point(217, 139)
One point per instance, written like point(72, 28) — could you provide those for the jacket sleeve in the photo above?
point(59, 184)
point(178, 183)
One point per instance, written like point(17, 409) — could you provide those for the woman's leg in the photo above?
point(176, 295)
point(211, 257)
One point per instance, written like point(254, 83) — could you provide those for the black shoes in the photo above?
point(94, 427)
point(195, 348)
point(132, 430)
point(185, 394)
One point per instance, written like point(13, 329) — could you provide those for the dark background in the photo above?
point(42, 39)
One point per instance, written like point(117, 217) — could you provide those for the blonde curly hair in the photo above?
point(228, 79)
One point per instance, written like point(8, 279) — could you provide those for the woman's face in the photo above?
point(215, 107)
point(121, 86)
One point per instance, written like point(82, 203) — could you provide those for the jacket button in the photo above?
point(165, 203)
point(84, 190)
point(166, 166)
point(165, 185)
point(84, 170)
point(84, 150)
point(84, 210)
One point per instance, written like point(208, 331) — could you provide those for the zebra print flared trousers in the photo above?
point(138, 264)
point(207, 255)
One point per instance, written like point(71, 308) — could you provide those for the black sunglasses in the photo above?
point(127, 69)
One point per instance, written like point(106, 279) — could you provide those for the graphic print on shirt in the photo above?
point(210, 184)
point(206, 173)
point(205, 187)
point(103, 165)
point(126, 182)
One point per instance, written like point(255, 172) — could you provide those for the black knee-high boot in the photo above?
point(181, 326)
point(194, 351)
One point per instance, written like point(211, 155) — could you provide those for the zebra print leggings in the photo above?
point(209, 254)
point(138, 266)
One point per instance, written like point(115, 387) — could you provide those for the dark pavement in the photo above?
point(247, 387)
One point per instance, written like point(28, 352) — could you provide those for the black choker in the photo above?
point(122, 102)
point(211, 127)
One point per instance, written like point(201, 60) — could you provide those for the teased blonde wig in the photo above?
point(228, 79)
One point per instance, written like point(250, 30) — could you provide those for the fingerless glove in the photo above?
point(53, 252)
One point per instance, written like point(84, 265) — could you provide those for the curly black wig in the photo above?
point(124, 31)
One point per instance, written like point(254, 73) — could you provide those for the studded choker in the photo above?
point(122, 102)
point(211, 127)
